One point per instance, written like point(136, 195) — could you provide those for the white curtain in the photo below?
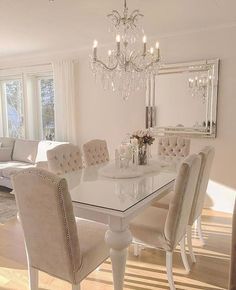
point(65, 106)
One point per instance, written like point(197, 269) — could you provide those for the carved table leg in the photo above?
point(118, 241)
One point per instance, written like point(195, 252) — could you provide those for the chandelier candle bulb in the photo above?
point(118, 43)
point(95, 45)
point(109, 55)
point(158, 49)
point(151, 50)
point(144, 44)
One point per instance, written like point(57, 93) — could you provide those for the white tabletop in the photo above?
point(116, 202)
point(89, 188)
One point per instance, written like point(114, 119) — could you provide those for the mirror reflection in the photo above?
point(182, 99)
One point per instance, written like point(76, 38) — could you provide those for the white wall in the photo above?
point(103, 114)
point(220, 43)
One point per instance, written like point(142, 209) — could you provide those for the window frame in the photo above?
point(40, 77)
point(3, 101)
point(30, 97)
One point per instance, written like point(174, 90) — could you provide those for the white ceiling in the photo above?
point(38, 26)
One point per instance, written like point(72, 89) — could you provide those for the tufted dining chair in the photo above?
point(64, 158)
point(173, 146)
point(95, 152)
point(56, 243)
point(207, 156)
point(165, 229)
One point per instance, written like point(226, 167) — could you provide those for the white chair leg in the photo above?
point(183, 254)
point(75, 287)
point(169, 269)
point(190, 246)
point(33, 278)
point(199, 230)
point(137, 249)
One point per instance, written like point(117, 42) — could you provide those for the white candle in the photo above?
point(144, 44)
point(118, 43)
point(151, 50)
point(158, 49)
point(95, 45)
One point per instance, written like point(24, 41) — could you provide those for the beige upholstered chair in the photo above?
point(95, 152)
point(64, 158)
point(207, 156)
point(173, 146)
point(232, 280)
point(55, 242)
point(165, 229)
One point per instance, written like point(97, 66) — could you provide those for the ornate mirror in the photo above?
point(182, 99)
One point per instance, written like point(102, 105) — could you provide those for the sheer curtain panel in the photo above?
point(64, 82)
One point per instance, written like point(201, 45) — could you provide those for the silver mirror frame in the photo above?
point(210, 129)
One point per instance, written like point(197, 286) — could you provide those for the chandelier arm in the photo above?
point(116, 13)
point(135, 18)
point(135, 13)
point(106, 66)
point(142, 69)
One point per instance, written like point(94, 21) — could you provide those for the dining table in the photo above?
point(115, 202)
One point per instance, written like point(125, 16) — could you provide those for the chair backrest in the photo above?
point(173, 146)
point(232, 280)
point(48, 222)
point(207, 156)
point(181, 203)
point(64, 158)
point(95, 152)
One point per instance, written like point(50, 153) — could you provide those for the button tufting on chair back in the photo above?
point(95, 152)
point(173, 146)
point(64, 158)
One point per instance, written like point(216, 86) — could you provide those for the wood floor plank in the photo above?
point(146, 272)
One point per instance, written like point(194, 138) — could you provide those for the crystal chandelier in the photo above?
point(127, 66)
point(199, 86)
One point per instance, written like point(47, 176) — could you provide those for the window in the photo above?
point(46, 94)
point(27, 102)
point(13, 108)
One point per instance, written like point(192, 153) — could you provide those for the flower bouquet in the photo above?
point(143, 138)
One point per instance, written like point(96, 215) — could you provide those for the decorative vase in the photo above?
point(143, 154)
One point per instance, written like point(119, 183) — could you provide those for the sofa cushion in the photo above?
point(25, 151)
point(7, 169)
point(7, 142)
point(5, 154)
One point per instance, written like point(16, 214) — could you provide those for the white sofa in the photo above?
point(18, 154)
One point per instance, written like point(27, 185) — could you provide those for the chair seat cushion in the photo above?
point(148, 228)
point(8, 169)
point(165, 201)
point(93, 248)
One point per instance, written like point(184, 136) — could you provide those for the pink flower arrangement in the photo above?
point(143, 137)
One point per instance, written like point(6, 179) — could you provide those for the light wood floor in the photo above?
point(146, 272)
